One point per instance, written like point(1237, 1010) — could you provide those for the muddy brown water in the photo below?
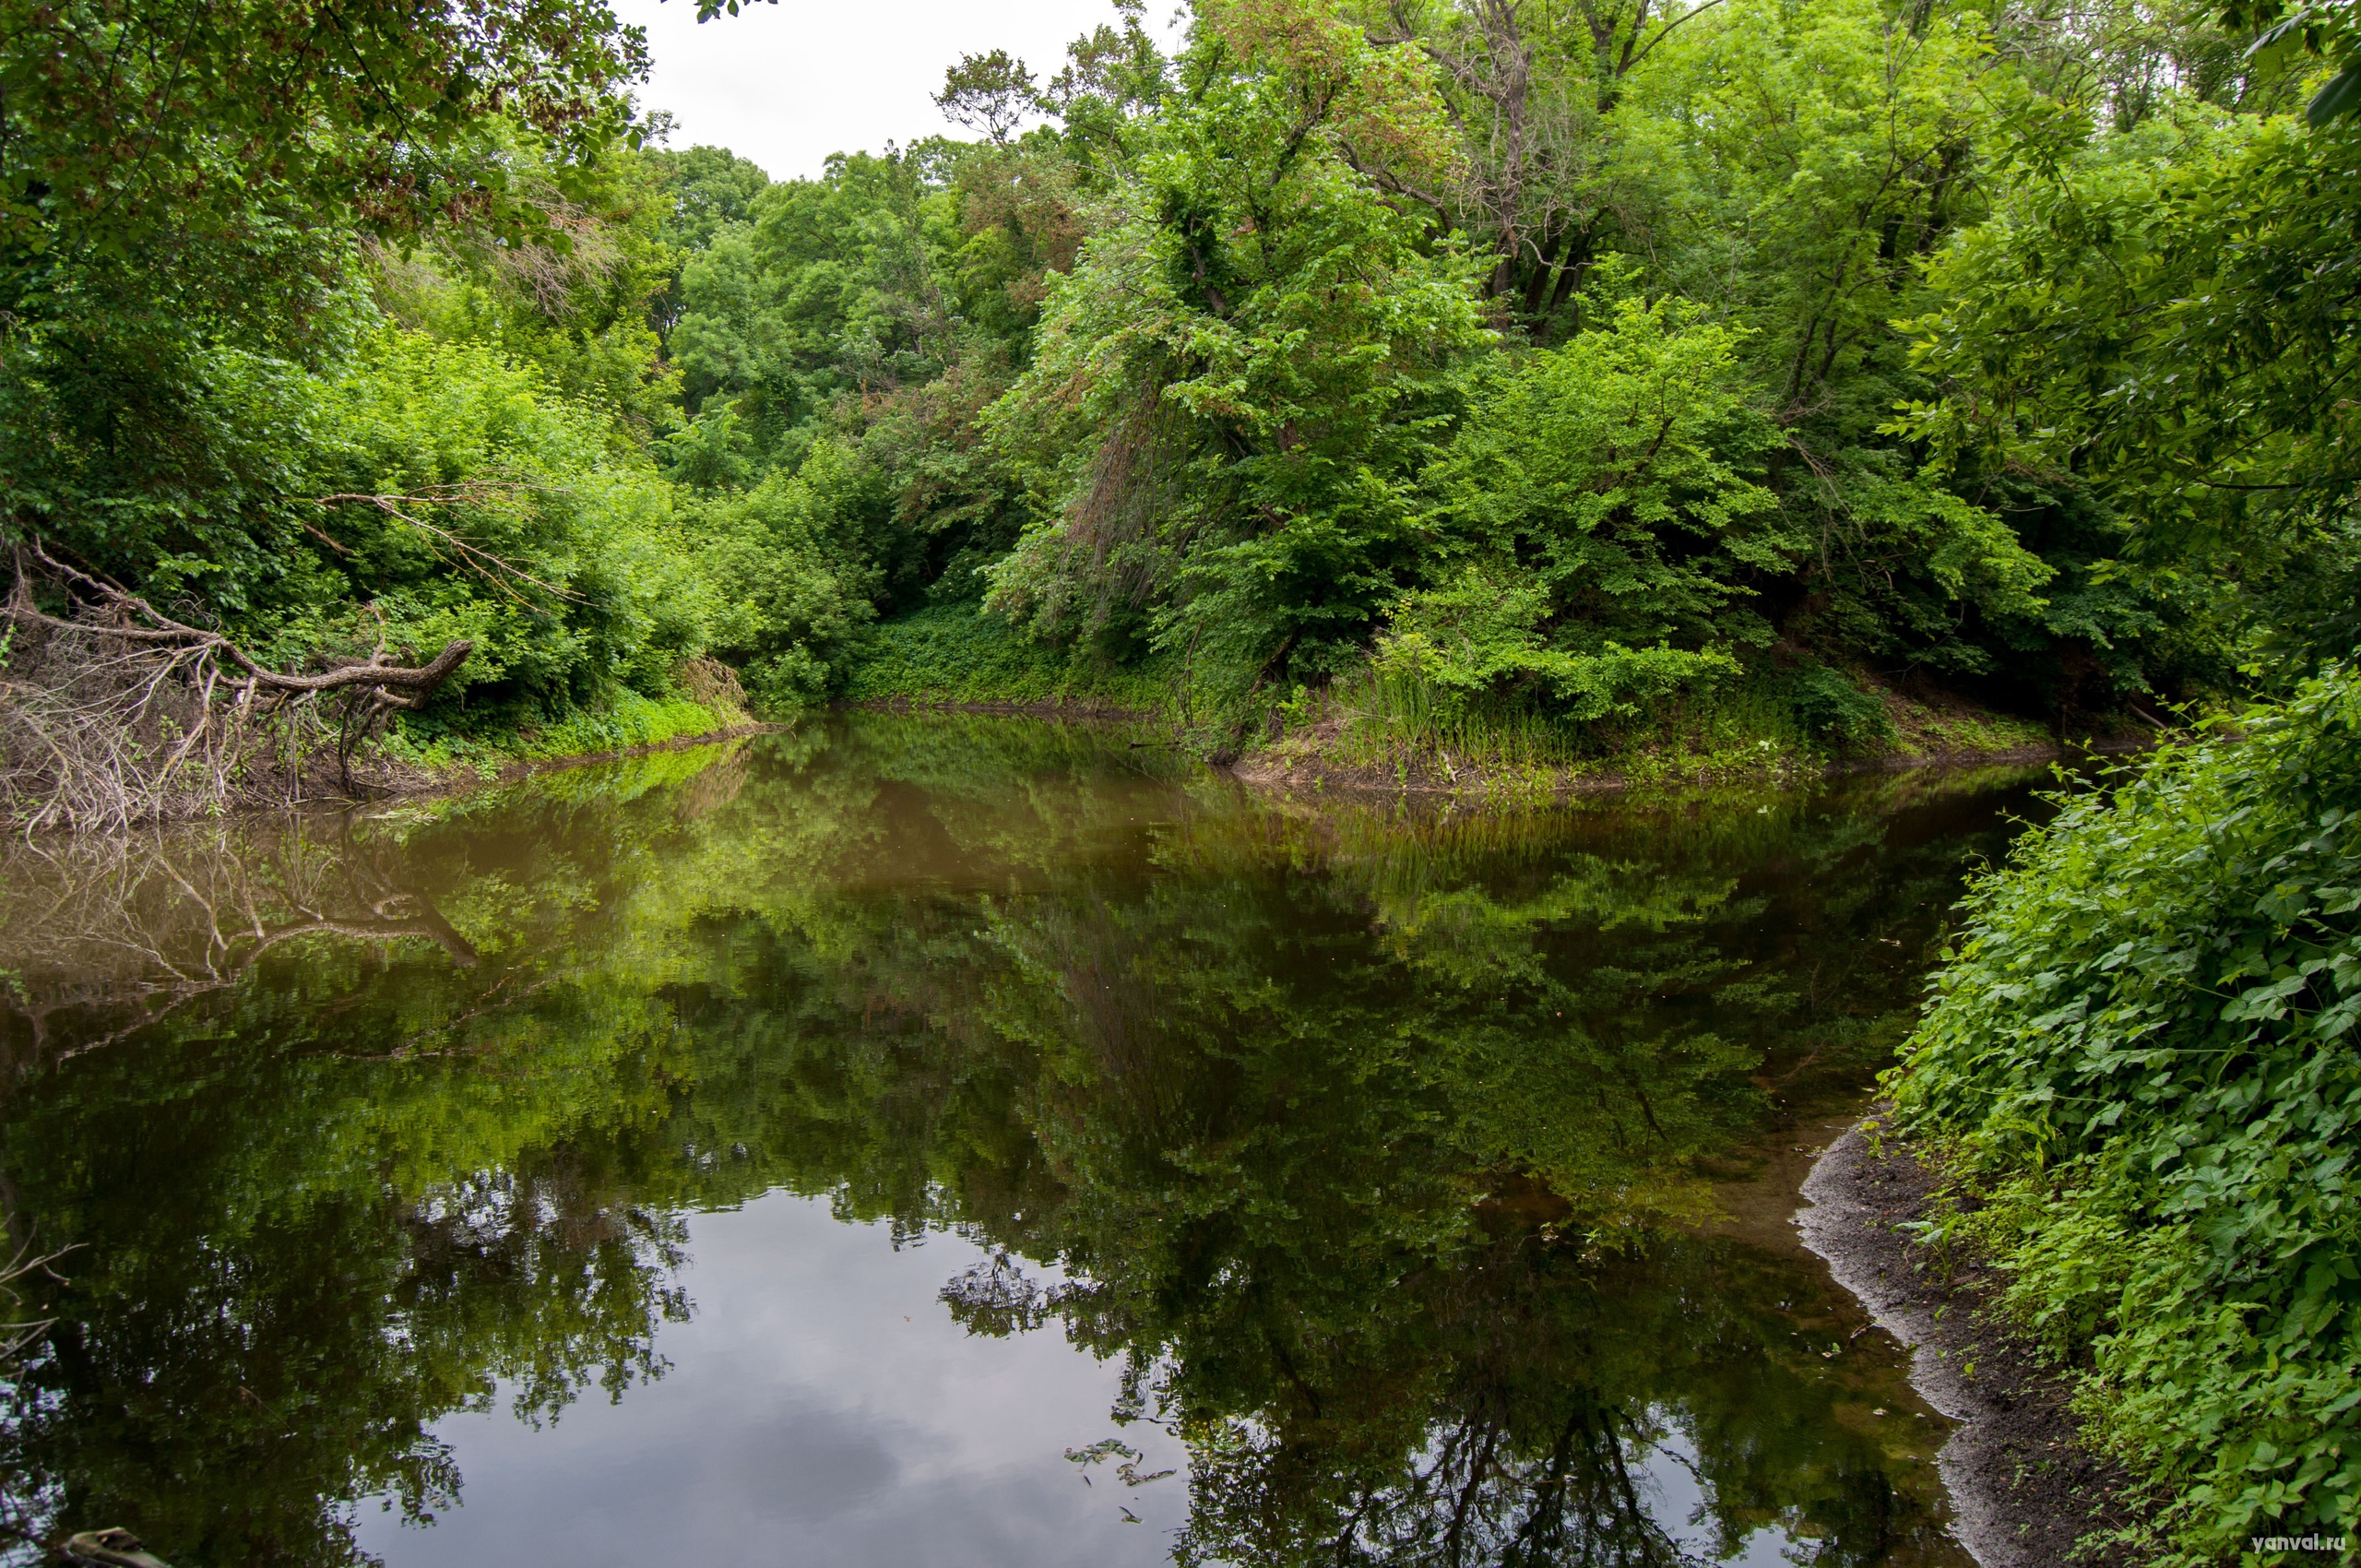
point(927, 1139)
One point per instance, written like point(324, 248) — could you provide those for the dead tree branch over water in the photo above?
point(115, 713)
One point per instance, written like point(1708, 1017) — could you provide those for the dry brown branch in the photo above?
point(115, 713)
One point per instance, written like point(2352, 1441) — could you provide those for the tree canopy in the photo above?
point(1317, 353)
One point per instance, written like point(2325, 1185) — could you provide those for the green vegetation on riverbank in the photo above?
point(1718, 388)
point(1552, 381)
point(949, 655)
point(2142, 1060)
point(624, 722)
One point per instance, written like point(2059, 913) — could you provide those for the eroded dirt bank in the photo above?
point(2024, 1488)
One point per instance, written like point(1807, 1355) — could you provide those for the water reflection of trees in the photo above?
point(109, 931)
point(1350, 1131)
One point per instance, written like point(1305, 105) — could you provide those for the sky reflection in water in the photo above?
point(790, 1152)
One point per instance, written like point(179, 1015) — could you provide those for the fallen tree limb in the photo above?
point(408, 684)
point(115, 712)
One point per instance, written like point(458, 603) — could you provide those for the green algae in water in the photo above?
point(1358, 1162)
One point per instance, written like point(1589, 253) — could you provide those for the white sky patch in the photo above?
point(788, 84)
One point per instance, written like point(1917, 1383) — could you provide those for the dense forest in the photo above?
point(1531, 380)
point(1481, 371)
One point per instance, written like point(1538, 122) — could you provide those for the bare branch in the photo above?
point(114, 712)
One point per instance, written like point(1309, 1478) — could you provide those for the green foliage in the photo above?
point(951, 654)
point(185, 191)
point(508, 524)
point(2319, 30)
point(1833, 708)
point(246, 122)
point(828, 287)
point(2143, 1050)
point(1543, 362)
point(1533, 384)
point(1209, 474)
point(621, 721)
point(1480, 636)
point(1606, 493)
point(1232, 390)
point(576, 304)
point(2177, 282)
point(794, 561)
point(706, 190)
point(340, 367)
point(1767, 723)
point(627, 720)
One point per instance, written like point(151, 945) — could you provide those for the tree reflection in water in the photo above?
point(1365, 1138)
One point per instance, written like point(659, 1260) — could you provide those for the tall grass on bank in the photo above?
point(2142, 1061)
point(1761, 721)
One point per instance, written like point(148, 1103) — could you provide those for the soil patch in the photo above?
point(2025, 1487)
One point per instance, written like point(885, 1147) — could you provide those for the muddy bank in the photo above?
point(2024, 1488)
point(1924, 729)
point(1308, 759)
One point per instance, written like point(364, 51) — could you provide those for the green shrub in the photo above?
point(1832, 708)
point(795, 572)
point(956, 653)
point(2143, 1050)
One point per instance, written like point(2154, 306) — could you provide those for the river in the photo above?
point(935, 1140)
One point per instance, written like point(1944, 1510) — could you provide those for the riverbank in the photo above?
point(1312, 759)
point(453, 781)
point(1791, 720)
point(2026, 1487)
point(1323, 758)
point(299, 757)
point(1788, 717)
point(396, 768)
point(1336, 747)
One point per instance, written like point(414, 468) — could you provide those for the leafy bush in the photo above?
point(956, 653)
point(1832, 708)
point(1235, 384)
point(1482, 634)
point(2143, 1052)
point(1623, 472)
point(794, 564)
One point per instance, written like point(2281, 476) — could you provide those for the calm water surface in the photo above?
point(937, 1140)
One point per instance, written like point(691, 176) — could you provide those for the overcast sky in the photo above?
point(788, 84)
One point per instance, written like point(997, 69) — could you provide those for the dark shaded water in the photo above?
point(906, 1140)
